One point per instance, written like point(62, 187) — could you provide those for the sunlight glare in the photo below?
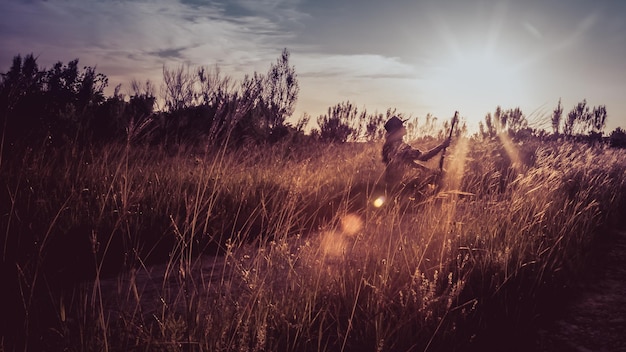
point(476, 82)
point(333, 244)
point(455, 167)
point(511, 151)
point(380, 201)
point(478, 76)
point(351, 224)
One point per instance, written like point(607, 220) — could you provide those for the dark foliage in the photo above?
point(56, 104)
point(65, 104)
point(617, 139)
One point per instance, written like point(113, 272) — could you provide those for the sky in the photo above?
point(418, 56)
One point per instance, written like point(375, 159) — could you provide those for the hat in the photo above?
point(394, 124)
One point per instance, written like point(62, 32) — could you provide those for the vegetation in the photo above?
point(66, 105)
point(149, 242)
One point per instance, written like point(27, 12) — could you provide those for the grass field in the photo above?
point(282, 248)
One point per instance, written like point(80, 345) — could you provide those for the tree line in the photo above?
point(582, 123)
point(66, 104)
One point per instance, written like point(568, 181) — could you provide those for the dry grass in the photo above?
point(137, 248)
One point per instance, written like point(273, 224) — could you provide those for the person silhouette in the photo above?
point(399, 157)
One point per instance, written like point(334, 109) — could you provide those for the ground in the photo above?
point(592, 318)
point(595, 318)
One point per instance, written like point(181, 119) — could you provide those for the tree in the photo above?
point(515, 120)
point(598, 119)
point(374, 129)
point(71, 95)
point(490, 126)
point(577, 119)
point(481, 130)
point(90, 88)
point(584, 119)
point(20, 96)
point(556, 118)
point(618, 138)
point(207, 105)
point(214, 88)
point(59, 102)
point(280, 91)
point(178, 88)
point(512, 120)
point(499, 119)
point(342, 123)
point(22, 79)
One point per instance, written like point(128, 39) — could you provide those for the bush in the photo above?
point(617, 139)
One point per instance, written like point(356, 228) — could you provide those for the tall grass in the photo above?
point(122, 247)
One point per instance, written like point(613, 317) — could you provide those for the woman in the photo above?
point(399, 157)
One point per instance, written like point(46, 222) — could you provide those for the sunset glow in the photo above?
point(476, 81)
point(418, 57)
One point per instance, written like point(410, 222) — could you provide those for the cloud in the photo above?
point(278, 10)
point(138, 38)
point(140, 26)
point(175, 53)
point(353, 66)
point(370, 81)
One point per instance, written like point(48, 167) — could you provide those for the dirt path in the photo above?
point(595, 319)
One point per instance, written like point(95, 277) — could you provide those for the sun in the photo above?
point(476, 75)
point(478, 81)
point(480, 76)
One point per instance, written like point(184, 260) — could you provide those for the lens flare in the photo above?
point(351, 224)
point(333, 244)
point(380, 201)
point(511, 150)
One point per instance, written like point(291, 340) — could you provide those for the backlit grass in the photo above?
point(123, 247)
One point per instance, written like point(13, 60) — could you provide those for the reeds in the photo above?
point(123, 247)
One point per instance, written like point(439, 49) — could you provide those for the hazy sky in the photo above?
point(417, 56)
